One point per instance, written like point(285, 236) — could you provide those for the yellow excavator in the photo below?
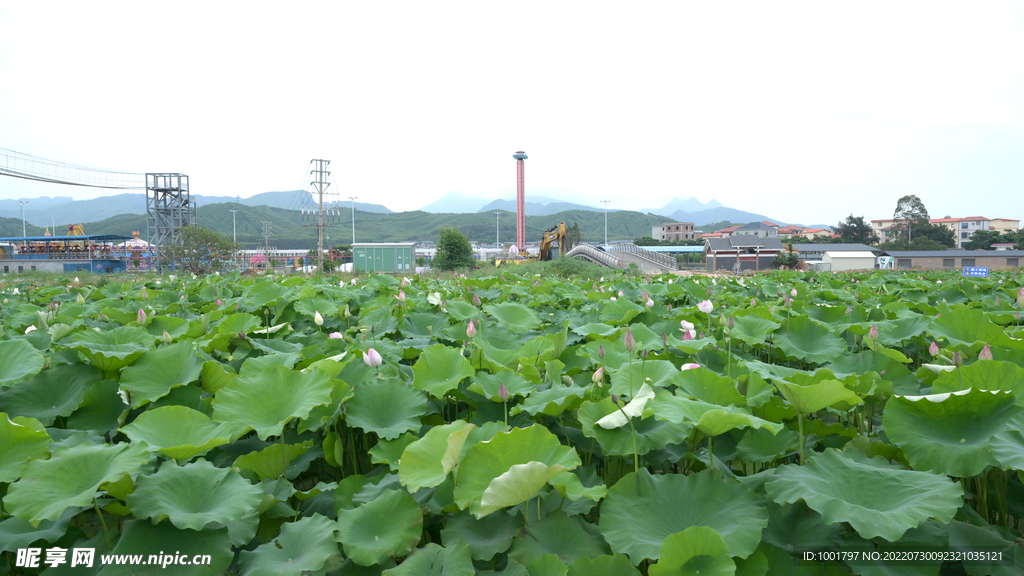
point(552, 246)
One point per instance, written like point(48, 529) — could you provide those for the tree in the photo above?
point(200, 250)
point(788, 259)
point(573, 236)
point(909, 215)
point(453, 250)
point(936, 233)
point(856, 231)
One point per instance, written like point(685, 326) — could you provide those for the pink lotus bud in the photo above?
point(241, 336)
point(731, 323)
point(793, 292)
point(644, 353)
point(664, 340)
point(401, 296)
point(142, 316)
point(985, 354)
point(600, 351)
point(689, 366)
point(650, 303)
point(957, 360)
point(1020, 297)
point(372, 358)
point(706, 306)
point(644, 296)
point(476, 300)
point(753, 302)
point(849, 310)
point(621, 294)
point(471, 329)
point(502, 392)
point(997, 299)
point(218, 302)
point(933, 349)
point(789, 302)
point(144, 293)
point(598, 375)
point(688, 334)
point(613, 298)
point(628, 340)
point(873, 333)
point(686, 325)
point(701, 334)
point(334, 335)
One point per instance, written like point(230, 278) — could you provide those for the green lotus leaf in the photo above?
point(696, 550)
point(265, 292)
point(159, 370)
point(253, 365)
point(752, 330)
point(54, 392)
point(22, 439)
point(616, 565)
point(989, 375)
point(642, 510)
point(809, 341)
point(567, 537)
point(16, 533)
point(620, 312)
point(950, 432)
point(386, 407)
point(1008, 445)
point(519, 484)
point(514, 317)
point(651, 433)
point(387, 527)
point(595, 329)
point(214, 377)
point(272, 461)
point(792, 526)
point(388, 451)
point(544, 565)
point(487, 385)
point(760, 445)
point(872, 495)
point(239, 322)
point(818, 396)
point(485, 536)
point(176, 328)
point(440, 369)
point(194, 495)
point(111, 350)
point(615, 355)
point(427, 461)
point(633, 409)
point(69, 478)
point(552, 402)
point(319, 416)
point(19, 361)
point(310, 306)
point(571, 487)
point(178, 432)
point(660, 373)
point(144, 539)
point(705, 385)
point(454, 560)
point(100, 410)
point(265, 402)
point(965, 327)
point(485, 461)
point(301, 547)
point(710, 419)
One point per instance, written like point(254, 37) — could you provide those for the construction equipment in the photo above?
point(552, 243)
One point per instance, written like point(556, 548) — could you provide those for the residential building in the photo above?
point(675, 231)
point(741, 252)
point(962, 228)
point(726, 232)
point(759, 229)
point(1004, 224)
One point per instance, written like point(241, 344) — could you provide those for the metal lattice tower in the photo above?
point(315, 213)
point(520, 201)
point(169, 206)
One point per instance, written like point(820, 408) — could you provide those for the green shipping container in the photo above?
point(385, 257)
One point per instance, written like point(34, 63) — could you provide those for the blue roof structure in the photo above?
point(90, 238)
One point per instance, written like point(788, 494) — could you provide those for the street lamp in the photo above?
point(234, 232)
point(605, 202)
point(53, 225)
point(23, 202)
point(353, 199)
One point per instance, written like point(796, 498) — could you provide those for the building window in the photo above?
point(903, 263)
point(963, 225)
point(6, 269)
point(1012, 262)
point(949, 263)
point(964, 262)
point(964, 234)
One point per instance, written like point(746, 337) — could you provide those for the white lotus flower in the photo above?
point(30, 329)
point(318, 319)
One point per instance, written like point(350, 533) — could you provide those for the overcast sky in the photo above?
point(803, 111)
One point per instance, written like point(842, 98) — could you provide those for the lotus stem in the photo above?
point(636, 456)
point(284, 458)
point(103, 523)
point(800, 421)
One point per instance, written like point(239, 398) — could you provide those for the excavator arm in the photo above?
point(552, 243)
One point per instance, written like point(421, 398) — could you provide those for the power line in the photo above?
point(20, 165)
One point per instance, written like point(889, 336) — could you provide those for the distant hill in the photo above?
point(10, 206)
point(455, 203)
point(12, 227)
point(718, 214)
point(691, 204)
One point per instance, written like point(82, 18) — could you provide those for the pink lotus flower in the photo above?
point(689, 366)
point(401, 296)
point(476, 300)
point(689, 334)
point(598, 375)
point(334, 335)
point(613, 298)
point(1020, 297)
point(628, 341)
point(933, 349)
point(793, 292)
point(650, 303)
point(372, 358)
point(644, 296)
point(142, 316)
point(471, 329)
point(218, 302)
point(144, 293)
point(706, 306)
point(985, 354)
point(753, 302)
point(873, 333)
point(621, 294)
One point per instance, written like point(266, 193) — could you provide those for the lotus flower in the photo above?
point(664, 340)
point(218, 302)
point(985, 354)
point(79, 299)
point(650, 303)
point(167, 337)
point(620, 292)
point(172, 277)
point(706, 306)
point(1020, 296)
point(142, 316)
point(401, 296)
point(753, 302)
point(144, 293)
point(241, 336)
point(669, 307)
point(933, 349)
point(938, 281)
point(372, 358)
point(30, 329)
point(16, 292)
point(731, 323)
point(334, 335)
point(873, 333)
point(849, 310)
point(789, 302)
point(471, 329)
point(476, 300)
point(689, 366)
point(689, 334)
point(598, 375)
point(628, 341)
point(600, 352)
point(405, 282)
point(644, 296)
point(347, 313)
point(793, 292)
point(318, 319)
point(613, 298)
point(353, 281)
point(957, 359)
point(76, 280)
point(997, 299)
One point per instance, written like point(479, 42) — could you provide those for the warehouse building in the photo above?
point(957, 259)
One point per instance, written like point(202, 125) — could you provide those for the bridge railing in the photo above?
point(662, 260)
point(595, 255)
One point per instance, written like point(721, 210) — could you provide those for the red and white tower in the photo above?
point(520, 202)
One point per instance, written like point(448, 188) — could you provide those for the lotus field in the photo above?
point(519, 425)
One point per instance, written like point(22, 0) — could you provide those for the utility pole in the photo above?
point(320, 185)
point(605, 202)
point(353, 199)
point(266, 239)
point(234, 231)
point(23, 202)
point(497, 228)
point(53, 225)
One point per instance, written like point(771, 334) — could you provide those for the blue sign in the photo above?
point(975, 272)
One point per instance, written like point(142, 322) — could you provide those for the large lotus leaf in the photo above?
point(142, 539)
point(823, 394)
point(874, 496)
point(263, 293)
point(1008, 445)
point(386, 527)
point(19, 361)
point(16, 533)
point(616, 565)
point(272, 461)
point(567, 537)
point(619, 312)
point(595, 329)
point(440, 369)
point(239, 322)
point(178, 432)
point(642, 510)
point(710, 419)
point(903, 380)
point(54, 392)
point(965, 327)
point(434, 560)
point(253, 365)
point(950, 432)
point(486, 536)
point(990, 375)
point(698, 550)
point(21, 440)
point(111, 350)
point(194, 495)
point(544, 565)
point(615, 355)
point(488, 385)
point(427, 461)
point(488, 460)
point(809, 341)
point(552, 402)
point(265, 402)
point(158, 370)
point(301, 547)
point(310, 306)
point(386, 407)
point(69, 478)
point(571, 487)
point(752, 330)
point(651, 433)
point(384, 452)
point(761, 445)
point(214, 377)
point(703, 384)
point(519, 484)
point(513, 316)
point(628, 378)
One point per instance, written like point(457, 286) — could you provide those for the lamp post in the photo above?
point(353, 199)
point(605, 202)
point(497, 228)
point(53, 225)
point(234, 232)
point(23, 202)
